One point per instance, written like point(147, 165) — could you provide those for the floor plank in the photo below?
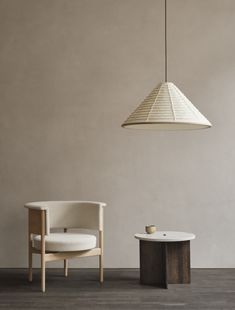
point(211, 289)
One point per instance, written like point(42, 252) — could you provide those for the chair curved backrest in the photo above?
point(71, 214)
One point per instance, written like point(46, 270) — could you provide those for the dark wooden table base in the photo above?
point(163, 263)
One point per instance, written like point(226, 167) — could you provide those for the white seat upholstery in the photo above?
point(66, 242)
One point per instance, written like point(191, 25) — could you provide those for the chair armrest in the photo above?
point(36, 215)
point(37, 221)
point(33, 206)
point(103, 204)
point(101, 217)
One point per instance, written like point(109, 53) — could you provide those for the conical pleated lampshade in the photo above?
point(167, 108)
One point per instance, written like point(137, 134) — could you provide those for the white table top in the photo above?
point(166, 236)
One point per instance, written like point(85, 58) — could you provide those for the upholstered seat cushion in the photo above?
point(61, 242)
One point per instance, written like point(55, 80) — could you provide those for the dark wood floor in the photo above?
point(210, 289)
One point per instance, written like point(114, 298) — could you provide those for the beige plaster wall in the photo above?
point(71, 71)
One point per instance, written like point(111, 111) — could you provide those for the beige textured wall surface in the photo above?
point(71, 71)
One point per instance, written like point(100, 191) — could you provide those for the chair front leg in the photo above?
point(43, 262)
point(36, 226)
point(101, 268)
point(101, 258)
point(30, 260)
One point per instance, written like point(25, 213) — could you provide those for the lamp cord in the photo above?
point(165, 40)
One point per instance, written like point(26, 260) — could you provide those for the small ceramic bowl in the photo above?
point(150, 229)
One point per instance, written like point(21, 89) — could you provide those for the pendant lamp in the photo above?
point(166, 107)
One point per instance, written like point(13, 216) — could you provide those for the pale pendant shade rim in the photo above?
point(166, 126)
point(166, 108)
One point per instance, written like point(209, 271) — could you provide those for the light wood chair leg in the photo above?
point(43, 273)
point(101, 268)
point(66, 267)
point(30, 265)
point(66, 262)
point(43, 262)
point(101, 258)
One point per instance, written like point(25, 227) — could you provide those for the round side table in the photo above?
point(165, 258)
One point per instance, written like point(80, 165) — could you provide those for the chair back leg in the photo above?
point(66, 267)
point(66, 262)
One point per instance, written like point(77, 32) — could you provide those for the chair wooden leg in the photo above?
point(101, 258)
point(66, 263)
point(30, 265)
point(43, 248)
point(101, 268)
point(43, 273)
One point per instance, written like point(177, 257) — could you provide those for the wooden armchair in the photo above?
point(53, 246)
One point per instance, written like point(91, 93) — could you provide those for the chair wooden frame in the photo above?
point(37, 225)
